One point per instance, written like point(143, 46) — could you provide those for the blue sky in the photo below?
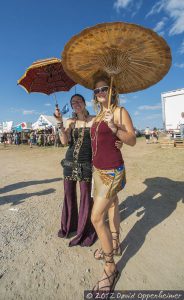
point(38, 29)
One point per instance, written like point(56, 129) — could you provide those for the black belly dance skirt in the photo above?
point(77, 171)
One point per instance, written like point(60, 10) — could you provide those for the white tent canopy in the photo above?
point(45, 121)
point(7, 126)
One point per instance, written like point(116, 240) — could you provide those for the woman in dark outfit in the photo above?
point(77, 168)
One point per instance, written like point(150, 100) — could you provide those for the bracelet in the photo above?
point(60, 125)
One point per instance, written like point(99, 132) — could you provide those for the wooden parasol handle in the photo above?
point(110, 93)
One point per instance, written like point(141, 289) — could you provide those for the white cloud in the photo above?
point(137, 6)
point(153, 117)
point(181, 50)
point(161, 33)
point(122, 100)
point(156, 8)
point(178, 26)
point(47, 104)
point(136, 113)
point(175, 10)
point(24, 111)
point(179, 65)
point(132, 5)
point(149, 107)
point(160, 25)
point(29, 112)
point(121, 4)
point(13, 109)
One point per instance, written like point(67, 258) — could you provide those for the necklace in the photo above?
point(80, 133)
point(95, 137)
point(99, 117)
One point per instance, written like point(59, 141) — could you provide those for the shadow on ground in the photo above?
point(23, 184)
point(18, 198)
point(155, 204)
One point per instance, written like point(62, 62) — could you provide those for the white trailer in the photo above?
point(172, 107)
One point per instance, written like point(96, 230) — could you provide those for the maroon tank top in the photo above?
point(105, 154)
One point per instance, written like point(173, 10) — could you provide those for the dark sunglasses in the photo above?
point(102, 89)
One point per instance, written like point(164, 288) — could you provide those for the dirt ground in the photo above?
point(36, 264)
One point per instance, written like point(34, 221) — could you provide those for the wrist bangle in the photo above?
point(60, 125)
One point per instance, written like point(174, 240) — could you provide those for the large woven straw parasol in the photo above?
point(134, 56)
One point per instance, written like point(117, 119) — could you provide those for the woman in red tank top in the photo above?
point(108, 176)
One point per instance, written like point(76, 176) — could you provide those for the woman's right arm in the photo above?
point(64, 133)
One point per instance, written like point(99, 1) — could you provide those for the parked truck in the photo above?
point(172, 108)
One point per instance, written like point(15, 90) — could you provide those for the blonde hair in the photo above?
point(114, 98)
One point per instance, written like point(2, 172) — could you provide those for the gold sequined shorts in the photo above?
point(107, 183)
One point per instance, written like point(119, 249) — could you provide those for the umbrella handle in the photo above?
point(110, 93)
point(55, 98)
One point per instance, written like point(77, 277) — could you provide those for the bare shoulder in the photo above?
point(69, 122)
point(117, 110)
point(91, 117)
point(120, 110)
point(90, 120)
point(118, 113)
point(121, 116)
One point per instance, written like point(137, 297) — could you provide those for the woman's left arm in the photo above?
point(126, 132)
point(121, 124)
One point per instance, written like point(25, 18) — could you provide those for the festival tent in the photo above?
point(24, 126)
point(45, 122)
point(7, 126)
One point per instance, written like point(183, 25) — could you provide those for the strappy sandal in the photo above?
point(115, 277)
point(117, 251)
point(100, 254)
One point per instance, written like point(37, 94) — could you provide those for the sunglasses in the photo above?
point(102, 89)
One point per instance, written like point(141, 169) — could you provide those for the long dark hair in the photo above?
point(74, 115)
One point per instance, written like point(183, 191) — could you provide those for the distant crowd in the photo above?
point(39, 138)
point(51, 138)
point(151, 134)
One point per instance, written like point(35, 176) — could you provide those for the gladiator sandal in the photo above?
point(112, 278)
point(99, 255)
point(117, 250)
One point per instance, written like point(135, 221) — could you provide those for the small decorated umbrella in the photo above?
point(133, 57)
point(46, 76)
